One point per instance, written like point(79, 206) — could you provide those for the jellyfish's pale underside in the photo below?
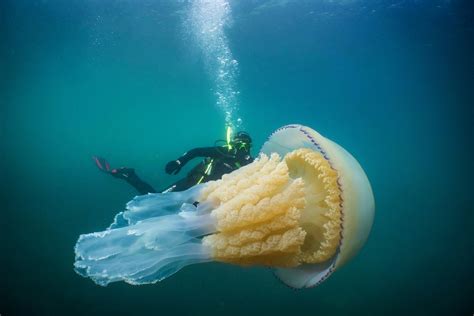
point(304, 207)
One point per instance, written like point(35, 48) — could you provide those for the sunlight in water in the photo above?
point(208, 20)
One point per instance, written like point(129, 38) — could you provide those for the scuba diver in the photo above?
point(218, 160)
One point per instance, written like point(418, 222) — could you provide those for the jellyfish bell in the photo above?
point(355, 197)
point(304, 207)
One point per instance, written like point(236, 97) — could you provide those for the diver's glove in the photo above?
point(173, 167)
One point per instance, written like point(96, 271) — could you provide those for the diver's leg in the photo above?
point(129, 175)
point(178, 186)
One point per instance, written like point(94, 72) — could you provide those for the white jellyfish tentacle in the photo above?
point(157, 236)
point(157, 204)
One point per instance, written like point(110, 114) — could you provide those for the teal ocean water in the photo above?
point(141, 82)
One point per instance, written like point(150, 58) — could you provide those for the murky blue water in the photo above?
point(140, 82)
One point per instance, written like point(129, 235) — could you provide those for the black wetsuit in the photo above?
point(218, 161)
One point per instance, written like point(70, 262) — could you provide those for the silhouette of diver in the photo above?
point(218, 160)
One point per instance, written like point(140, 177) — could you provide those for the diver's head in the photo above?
point(242, 141)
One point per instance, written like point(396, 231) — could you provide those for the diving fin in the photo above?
point(121, 173)
point(102, 164)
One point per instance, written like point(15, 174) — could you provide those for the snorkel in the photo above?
point(228, 138)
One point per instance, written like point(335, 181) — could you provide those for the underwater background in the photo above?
point(140, 82)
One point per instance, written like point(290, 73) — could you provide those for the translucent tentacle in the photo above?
point(146, 243)
point(156, 204)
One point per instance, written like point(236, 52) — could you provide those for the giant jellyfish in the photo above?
point(304, 207)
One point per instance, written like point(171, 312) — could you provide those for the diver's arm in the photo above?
point(174, 166)
point(211, 152)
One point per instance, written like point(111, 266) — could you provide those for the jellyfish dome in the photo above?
point(303, 208)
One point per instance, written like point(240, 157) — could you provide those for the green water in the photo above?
point(391, 81)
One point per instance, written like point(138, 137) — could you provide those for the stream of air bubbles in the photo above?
point(208, 20)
